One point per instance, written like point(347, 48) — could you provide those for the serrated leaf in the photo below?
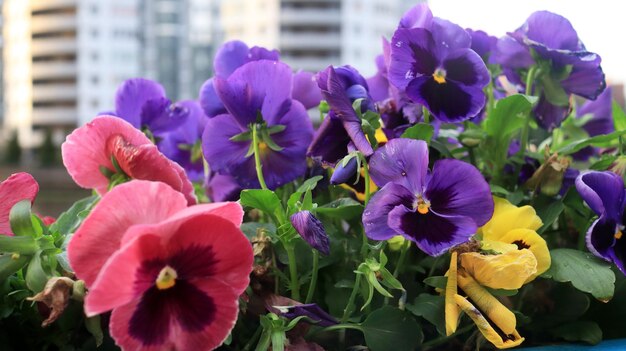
point(389, 326)
point(586, 272)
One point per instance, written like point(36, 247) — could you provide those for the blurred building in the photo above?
point(63, 60)
point(313, 34)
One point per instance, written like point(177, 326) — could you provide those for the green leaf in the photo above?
point(420, 131)
point(498, 190)
point(550, 214)
point(603, 163)
point(251, 229)
point(586, 272)
point(599, 140)
point(10, 264)
point(431, 308)
point(93, 326)
point(261, 199)
point(554, 92)
point(69, 220)
point(36, 277)
point(309, 184)
point(586, 331)
point(436, 282)
point(389, 326)
point(619, 117)
point(20, 244)
point(20, 219)
point(508, 115)
point(343, 208)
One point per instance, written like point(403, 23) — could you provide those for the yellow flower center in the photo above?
point(167, 278)
point(439, 76)
point(618, 235)
point(262, 146)
point(422, 205)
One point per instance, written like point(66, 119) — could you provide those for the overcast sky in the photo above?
point(601, 24)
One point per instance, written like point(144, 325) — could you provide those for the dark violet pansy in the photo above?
point(312, 311)
point(311, 230)
point(432, 62)
point(142, 103)
point(482, 43)
point(602, 111)
point(437, 210)
point(220, 187)
point(604, 193)
point(567, 68)
point(258, 93)
point(341, 86)
point(234, 54)
point(183, 144)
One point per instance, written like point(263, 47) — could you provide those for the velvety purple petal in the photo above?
point(603, 192)
point(482, 43)
point(602, 111)
point(412, 55)
point(342, 174)
point(161, 116)
point(263, 86)
point(448, 102)
point(377, 210)
point(512, 54)
point(230, 56)
point(552, 30)
point(305, 89)
point(222, 154)
point(222, 188)
point(618, 255)
point(330, 143)
point(433, 234)
point(132, 95)
point(259, 53)
point(550, 116)
point(586, 80)
point(601, 237)
point(465, 66)
point(457, 188)
point(311, 230)
point(312, 311)
point(418, 16)
point(379, 87)
point(449, 36)
point(401, 161)
point(210, 101)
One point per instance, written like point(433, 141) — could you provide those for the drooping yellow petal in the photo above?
point(493, 309)
point(452, 310)
point(512, 340)
point(509, 270)
point(507, 217)
point(529, 239)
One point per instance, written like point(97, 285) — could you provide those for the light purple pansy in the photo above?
point(437, 210)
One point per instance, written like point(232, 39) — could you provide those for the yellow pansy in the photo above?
point(452, 311)
point(509, 270)
point(529, 239)
point(507, 217)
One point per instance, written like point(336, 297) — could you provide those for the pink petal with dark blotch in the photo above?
point(18, 187)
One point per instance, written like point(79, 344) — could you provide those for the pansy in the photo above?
point(109, 150)
point(482, 43)
point(234, 54)
point(220, 187)
point(604, 193)
point(341, 86)
point(172, 274)
point(258, 95)
point(566, 68)
point(183, 145)
point(311, 230)
point(18, 187)
point(437, 210)
point(143, 103)
point(600, 114)
point(432, 62)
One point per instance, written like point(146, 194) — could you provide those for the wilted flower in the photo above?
point(109, 150)
point(604, 193)
point(311, 230)
point(258, 95)
point(171, 274)
point(432, 62)
point(56, 296)
point(18, 187)
point(437, 210)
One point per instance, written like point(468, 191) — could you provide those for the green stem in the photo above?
point(366, 176)
point(348, 310)
point(444, 339)
point(24, 245)
point(316, 260)
point(293, 273)
point(342, 327)
point(253, 339)
point(403, 251)
point(257, 157)
point(530, 78)
point(426, 115)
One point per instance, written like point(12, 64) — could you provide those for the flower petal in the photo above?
point(230, 56)
point(457, 188)
point(509, 270)
point(330, 143)
point(418, 16)
point(586, 80)
point(209, 100)
point(449, 36)
point(18, 187)
point(305, 89)
point(507, 217)
point(412, 55)
point(603, 192)
point(600, 237)
point(311, 230)
point(401, 161)
point(131, 96)
point(529, 239)
point(601, 109)
point(465, 66)
point(377, 210)
point(223, 154)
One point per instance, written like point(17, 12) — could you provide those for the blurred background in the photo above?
point(62, 60)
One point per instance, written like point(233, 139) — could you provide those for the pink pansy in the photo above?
point(171, 274)
point(92, 147)
point(18, 187)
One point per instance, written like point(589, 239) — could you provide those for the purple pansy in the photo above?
point(258, 93)
point(602, 111)
point(432, 62)
point(437, 210)
point(604, 193)
point(234, 54)
point(183, 144)
point(221, 187)
point(341, 86)
point(142, 103)
point(310, 310)
point(311, 230)
point(567, 68)
point(482, 43)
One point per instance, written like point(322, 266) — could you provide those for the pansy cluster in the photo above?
point(289, 210)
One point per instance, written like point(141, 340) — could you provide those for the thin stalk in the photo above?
point(530, 78)
point(366, 176)
point(342, 327)
point(403, 250)
point(257, 157)
point(426, 115)
point(316, 261)
point(348, 310)
point(253, 339)
point(293, 273)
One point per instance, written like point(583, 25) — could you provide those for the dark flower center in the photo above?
point(521, 244)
